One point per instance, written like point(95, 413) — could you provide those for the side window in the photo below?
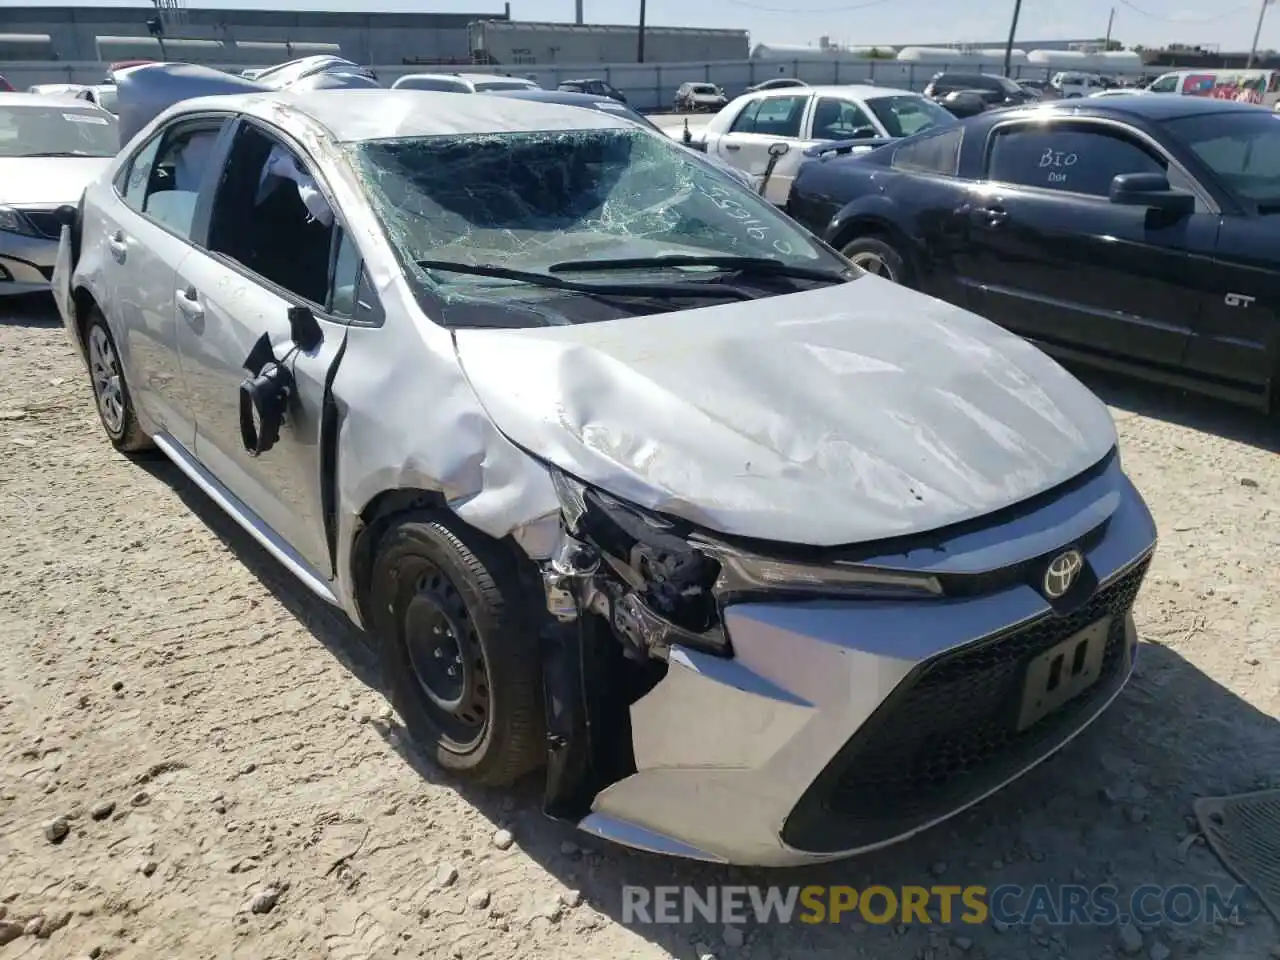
point(137, 173)
point(840, 120)
point(165, 176)
point(368, 308)
point(934, 152)
point(346, 275)
point(780, 116)
point(1166, 84)
point(1072, 159)
point(270, 216)
point(745, 121)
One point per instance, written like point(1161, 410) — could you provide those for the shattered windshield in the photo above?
point(529, 201)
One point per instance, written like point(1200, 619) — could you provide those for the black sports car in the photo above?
point(1133, 232)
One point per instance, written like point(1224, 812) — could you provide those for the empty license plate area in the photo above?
point(1063, 672)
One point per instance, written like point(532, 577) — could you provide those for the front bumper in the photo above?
point(840, 726)
point(26, 263)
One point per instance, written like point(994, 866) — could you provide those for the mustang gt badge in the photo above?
point(1062, 572)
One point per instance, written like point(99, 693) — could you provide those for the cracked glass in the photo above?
point(527, 200)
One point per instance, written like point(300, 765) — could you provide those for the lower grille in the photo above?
point(45, 222)
point(949, 734)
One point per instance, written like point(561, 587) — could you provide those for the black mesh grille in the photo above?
point(45, 222)
point(949, 733)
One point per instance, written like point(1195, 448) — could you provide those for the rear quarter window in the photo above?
point(936, 152)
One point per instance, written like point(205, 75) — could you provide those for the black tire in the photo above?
point(113, 401)
point(870, 250)
point(430, 572)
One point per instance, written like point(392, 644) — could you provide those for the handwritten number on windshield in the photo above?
point(755, 229)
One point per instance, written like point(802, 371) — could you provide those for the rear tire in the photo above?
point(110, 391)
point(875, 256)
point(460, 648)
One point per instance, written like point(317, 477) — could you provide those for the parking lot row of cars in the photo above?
point(576, 424)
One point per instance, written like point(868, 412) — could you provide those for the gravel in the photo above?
point(119, 572)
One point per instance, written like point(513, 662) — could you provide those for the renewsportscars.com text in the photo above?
point(1057, 905)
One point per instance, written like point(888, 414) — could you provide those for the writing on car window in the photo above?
point(1072, 159)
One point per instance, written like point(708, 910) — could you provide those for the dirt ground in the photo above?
point(210, 732)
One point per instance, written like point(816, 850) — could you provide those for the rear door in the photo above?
point(780, 118)
point(266, 264)
point(1051, 258)
point(146, 235)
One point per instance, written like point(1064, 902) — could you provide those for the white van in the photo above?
point(1249, 86)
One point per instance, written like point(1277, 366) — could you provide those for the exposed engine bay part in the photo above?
point(649, 585)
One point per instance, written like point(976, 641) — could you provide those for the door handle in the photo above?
point(116, 244)
point(989, 216)
point(732, 146)
point(189, 303)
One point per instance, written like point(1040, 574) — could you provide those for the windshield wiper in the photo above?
point(761, 266)
point(54, 153)
point(614, 289)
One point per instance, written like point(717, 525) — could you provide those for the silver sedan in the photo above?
point(765, 560)
point(51, 147)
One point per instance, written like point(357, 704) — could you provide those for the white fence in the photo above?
point(647, 86)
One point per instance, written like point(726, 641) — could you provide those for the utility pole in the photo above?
point(1257, 32)
point(640, 37)
point(578, 13)
point(1106, 45)
point(1013, 29)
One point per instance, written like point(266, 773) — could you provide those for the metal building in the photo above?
point(250, 37)
point(513, 42)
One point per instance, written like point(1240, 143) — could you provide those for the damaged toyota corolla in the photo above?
point(765, 560)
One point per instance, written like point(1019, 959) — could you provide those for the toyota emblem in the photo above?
point(1062, 572)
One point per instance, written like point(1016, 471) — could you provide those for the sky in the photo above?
point(1228, 24)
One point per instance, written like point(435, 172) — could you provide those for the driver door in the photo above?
point(264, 264)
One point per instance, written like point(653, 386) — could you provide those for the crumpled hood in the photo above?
point(47, 180)
point(840, 415)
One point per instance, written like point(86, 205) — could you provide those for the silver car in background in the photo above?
point(51, 147)
point(626, 475)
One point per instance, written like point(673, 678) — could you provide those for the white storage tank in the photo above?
point(996, 54)
point(782, 51)
point(1122, 61)
point(1112, 61)
point(959, 55)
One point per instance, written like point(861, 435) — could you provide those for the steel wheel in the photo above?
point(104, 369)
point(448, 662)
point(871, 262)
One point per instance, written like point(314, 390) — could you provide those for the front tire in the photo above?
point(110, 391)
point(459, 648)
point(875, 256)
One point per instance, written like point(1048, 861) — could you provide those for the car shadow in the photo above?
point(1112, 807)
point(29, 310)
point(1192, 410)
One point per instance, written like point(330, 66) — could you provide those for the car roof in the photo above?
point(862, 91)
point(567, 97)
point(433, 76)
point(44, 99)
point(490, 76)
point(1144, 106)
point(377, 114)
